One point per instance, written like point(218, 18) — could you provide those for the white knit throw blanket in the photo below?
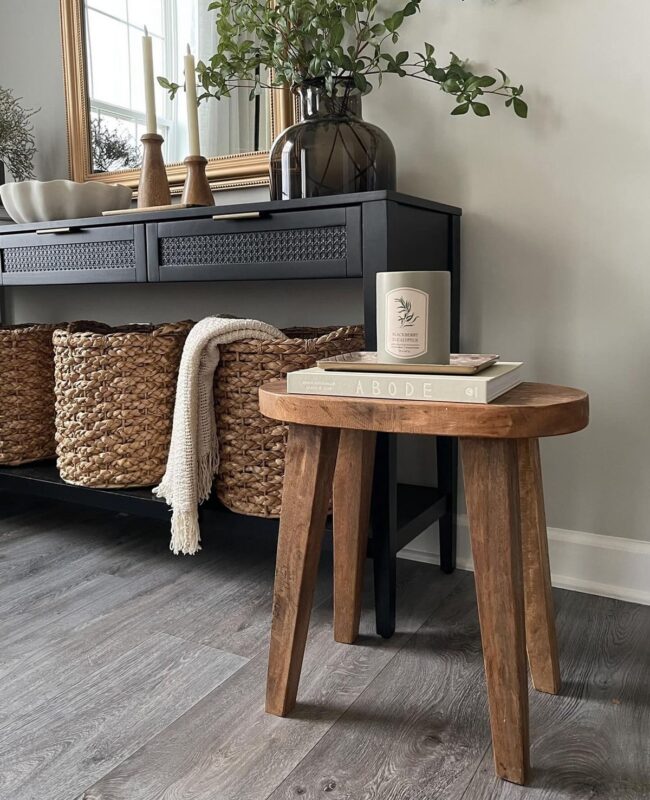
point(193, 458)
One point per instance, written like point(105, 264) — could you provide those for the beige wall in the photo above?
point(556, 241)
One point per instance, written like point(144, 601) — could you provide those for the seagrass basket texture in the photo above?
point(26, 393)
point(115, 390)
point(252, 447)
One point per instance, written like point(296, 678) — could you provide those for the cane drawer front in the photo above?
point(107, 254)
point(320, 243)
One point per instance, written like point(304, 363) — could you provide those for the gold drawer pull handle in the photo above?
point(43, 231)
point(239, 215)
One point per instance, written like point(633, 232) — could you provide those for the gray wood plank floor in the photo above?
point(128, 674)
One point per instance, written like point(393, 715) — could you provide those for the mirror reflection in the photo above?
point(114, 30)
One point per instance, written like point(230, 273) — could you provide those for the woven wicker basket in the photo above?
point(26, 393)
point(252, 447)
point(115, 391)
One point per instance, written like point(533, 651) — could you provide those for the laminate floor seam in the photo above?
point(175, 657)
point(84, 794)
point(479, 762)
point(180, 639)
point(21, 521)
point(223, 686)
point(344, 711)
point(302, 760)
point(107, 667)
point(457, 586)
point(409, 636)
point(183, 715)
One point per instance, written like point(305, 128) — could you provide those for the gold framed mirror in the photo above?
point(104, 91)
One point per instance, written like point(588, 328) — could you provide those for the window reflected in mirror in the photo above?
point(113, 37)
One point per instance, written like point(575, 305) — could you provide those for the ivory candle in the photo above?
point(192, 107)
point(413, 313)
point(149, 86)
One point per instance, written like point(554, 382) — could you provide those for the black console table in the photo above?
point(347, 236)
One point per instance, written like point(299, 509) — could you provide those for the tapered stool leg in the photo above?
point(351, 504)
point(310, 460)
point(492, 494)
point(541, 641)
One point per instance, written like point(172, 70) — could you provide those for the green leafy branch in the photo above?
point(265, 44)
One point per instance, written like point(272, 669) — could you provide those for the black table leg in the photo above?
point(447, 448)
point(384, 533)
point(447, 463)
point(415, 244)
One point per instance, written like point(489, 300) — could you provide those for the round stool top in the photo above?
point(529, 411)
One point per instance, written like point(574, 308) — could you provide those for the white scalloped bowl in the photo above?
point(44, 201)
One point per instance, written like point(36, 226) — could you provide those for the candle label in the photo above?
point(407, 322)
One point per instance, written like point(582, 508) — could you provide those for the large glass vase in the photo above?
point(332, 150)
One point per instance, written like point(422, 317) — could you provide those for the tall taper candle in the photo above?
point(149, 85)
point(192, 108)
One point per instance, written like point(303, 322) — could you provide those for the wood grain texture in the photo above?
point(492, 496)
point(153, 186)
point(59, 747)
point(23, 590)
point(196, 190)
point(76, 605)
point(403, 719)
point(310, 463)
point(222, 600)
point(418, 729)
point(13, 511)
point(590, 742)
point(36, 554)
point(541, 642)
point(352, 493)
point(530, 410)
point(228, 748)
point(91, 585)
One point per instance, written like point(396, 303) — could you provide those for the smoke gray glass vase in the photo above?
point(332, 150)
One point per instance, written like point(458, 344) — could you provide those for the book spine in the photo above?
point(389, 387)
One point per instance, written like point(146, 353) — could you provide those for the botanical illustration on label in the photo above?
point(407, 322)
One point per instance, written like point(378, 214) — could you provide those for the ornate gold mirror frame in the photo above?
point(224, 172)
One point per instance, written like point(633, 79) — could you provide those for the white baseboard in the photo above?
point(584, 562)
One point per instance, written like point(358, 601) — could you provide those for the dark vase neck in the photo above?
point(315, 102)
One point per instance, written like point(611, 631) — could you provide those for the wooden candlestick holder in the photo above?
point(196, 191)
point(153, 189)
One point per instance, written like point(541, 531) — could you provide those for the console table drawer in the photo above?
point(74, 255)
point(254, 246)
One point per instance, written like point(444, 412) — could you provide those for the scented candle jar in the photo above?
point(413, 317)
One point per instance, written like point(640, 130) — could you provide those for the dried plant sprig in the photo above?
point(17, 144)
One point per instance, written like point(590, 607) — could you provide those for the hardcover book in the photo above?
point(482, 388)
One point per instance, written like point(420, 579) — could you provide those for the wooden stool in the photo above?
point(503, 488)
